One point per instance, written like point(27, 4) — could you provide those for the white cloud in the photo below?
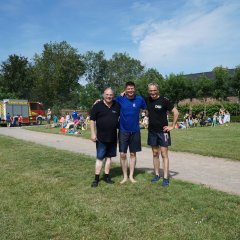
point(196, 38)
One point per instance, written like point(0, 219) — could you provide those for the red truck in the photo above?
point(31, 112)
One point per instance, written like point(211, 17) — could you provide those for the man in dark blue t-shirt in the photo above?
point(129, 131)
point(104, 119)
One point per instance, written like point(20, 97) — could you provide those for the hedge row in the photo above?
point(232, 108)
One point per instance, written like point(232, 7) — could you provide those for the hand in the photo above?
point(98, 100)
point(122, 94)
point(167, 128)
point(93, 137)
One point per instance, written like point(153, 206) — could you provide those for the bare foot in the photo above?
point(132, 180)
point(123, 181)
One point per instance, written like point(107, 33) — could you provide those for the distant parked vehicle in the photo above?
point(31, 112)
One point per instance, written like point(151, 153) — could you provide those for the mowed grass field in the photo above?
point(219, 141)
point(46, 194)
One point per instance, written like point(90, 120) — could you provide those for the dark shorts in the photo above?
point(159, 139)
point(129, 140)
point(106, 150)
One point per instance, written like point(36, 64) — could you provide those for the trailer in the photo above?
point(31, 112)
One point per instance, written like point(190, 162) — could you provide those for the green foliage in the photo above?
point(57, 71)
point(178, 87)
point(151, 75)
point(221, 83)
point(96, 69)
point(88, 95)
point(203, 87)
point(123, 68)
point(16, 78)
point(235, 82)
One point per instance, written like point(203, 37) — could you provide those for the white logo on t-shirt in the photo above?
point(158, 106)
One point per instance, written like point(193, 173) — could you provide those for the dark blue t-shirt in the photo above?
point(129, 113)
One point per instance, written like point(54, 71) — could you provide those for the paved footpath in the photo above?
point(218, 173)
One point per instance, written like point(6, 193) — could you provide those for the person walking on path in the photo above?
point(129, 131)
point(159, 131)
point(104, 119)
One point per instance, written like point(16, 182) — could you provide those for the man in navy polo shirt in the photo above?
point(129, 131)
point(104, 118)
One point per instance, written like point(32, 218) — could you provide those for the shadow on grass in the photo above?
point(116, 171)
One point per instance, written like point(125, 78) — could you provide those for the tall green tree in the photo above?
point(178, 87)
point(96, 67)
point(235, 82)
point(221, 83)
point(123, 68)
point(88, 94)
point(57, 72)
point(203, 87)
point(16, 80)
point(151, 75)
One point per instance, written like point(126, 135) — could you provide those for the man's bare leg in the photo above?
point(98, 167)
point(156, 160)
point(164, 153)
point(132, 166)
point(124, 164)
point(107, 165)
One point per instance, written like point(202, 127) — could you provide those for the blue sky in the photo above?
point(173, 36)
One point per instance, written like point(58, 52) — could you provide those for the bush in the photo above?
point(233, 108)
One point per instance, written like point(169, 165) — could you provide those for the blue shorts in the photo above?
point(159, 139)
point(131, 140)
point(106, 150)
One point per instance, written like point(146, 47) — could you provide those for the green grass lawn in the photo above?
point(220, 141)
point(46, 194)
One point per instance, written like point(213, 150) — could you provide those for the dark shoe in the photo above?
point(108, 180)
point(94, 183)
point(155, 179)
point(165, 182)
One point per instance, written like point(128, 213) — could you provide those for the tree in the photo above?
point(88, 94)
point(203, 87)
point(57, 72)
point(221, 83)
point(151, 75)
point(123, 68)
point(235, 82)
point(16, 80)
point(96, 67)
point(177, 88)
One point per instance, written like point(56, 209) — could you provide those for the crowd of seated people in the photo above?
point(71, 124)
point(219, 118)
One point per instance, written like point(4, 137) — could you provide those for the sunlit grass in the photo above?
point(46, 194)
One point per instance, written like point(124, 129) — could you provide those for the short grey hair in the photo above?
point(153, 84)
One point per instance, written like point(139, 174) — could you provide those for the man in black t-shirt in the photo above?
point(159, 131)
point(104, 118)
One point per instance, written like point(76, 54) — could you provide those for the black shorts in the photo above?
point(131, 140)
point(161, 139)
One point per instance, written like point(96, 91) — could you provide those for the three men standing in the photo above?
point(106, 115)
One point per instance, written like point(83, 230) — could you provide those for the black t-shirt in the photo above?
point(157, 112)
point(106, 121)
